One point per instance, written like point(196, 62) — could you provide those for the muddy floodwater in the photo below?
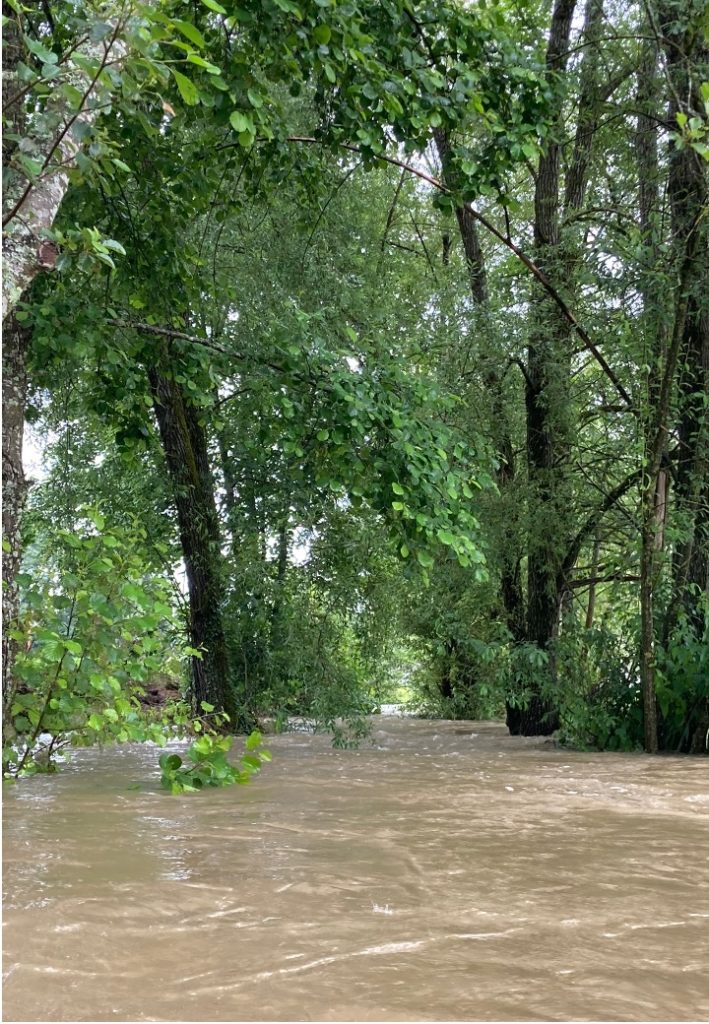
point(445, 871)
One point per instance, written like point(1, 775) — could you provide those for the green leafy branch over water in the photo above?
point(96, 631)
point(210, 766)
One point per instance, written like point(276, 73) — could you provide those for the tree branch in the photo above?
point(531, 266)
point(592, 522)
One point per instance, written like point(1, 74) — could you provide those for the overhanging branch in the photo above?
point(531, 266)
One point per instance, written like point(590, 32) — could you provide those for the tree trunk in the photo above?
point(31, 207)
point(591, 606)
point(185, 446)
point(14, 486)
point(546, 401)
point(687, 57)
point(647, 619)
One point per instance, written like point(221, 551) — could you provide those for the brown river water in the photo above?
point(445, 872)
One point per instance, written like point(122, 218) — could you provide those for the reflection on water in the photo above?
point(446, 871)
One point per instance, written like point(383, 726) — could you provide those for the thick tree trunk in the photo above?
point(185, 446)
point(31, 207)
point(656, 448)
point(546, 401)
point(687, 66)
point(14, 486)
point(548, 414)
point(687, 56)
point(691, 564)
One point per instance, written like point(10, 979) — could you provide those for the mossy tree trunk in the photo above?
point(184, 443)
point(14, 486)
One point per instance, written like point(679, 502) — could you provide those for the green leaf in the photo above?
point(254, 740)
point(45, 55)
point(322, 34)
point(206, 706)
point(241, 122)
point(214, 6)
point(189, 31)
point(397, 488)
point(211, 69)
point(425, 559)
point(188, 90)
point(114, 246)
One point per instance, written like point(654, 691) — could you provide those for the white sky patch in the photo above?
point(34, 447)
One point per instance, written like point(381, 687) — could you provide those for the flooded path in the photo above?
point(449, 872)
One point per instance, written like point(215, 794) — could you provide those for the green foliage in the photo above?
point(598, 691)
point(78, 60)
point(683, 680)
point(694, 131)
point(210, 766)
point(93, 630)
point(310, 644)
point(233, 229)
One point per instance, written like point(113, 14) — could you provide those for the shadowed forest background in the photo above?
point(367, 344)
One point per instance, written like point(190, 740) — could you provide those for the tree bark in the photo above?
point(185, 446)
point(14, 487)
point(687, 365)
point(591, 606)
point(687, 57)
point(546, 400)
point(30, 207)
point(654, 316)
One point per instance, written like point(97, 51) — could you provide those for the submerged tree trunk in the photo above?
point(185, 446)
point(546, 400)
point(654, 314)
point(687, 66)
point(14, 486)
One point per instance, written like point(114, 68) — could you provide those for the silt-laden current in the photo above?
point(445, 871)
